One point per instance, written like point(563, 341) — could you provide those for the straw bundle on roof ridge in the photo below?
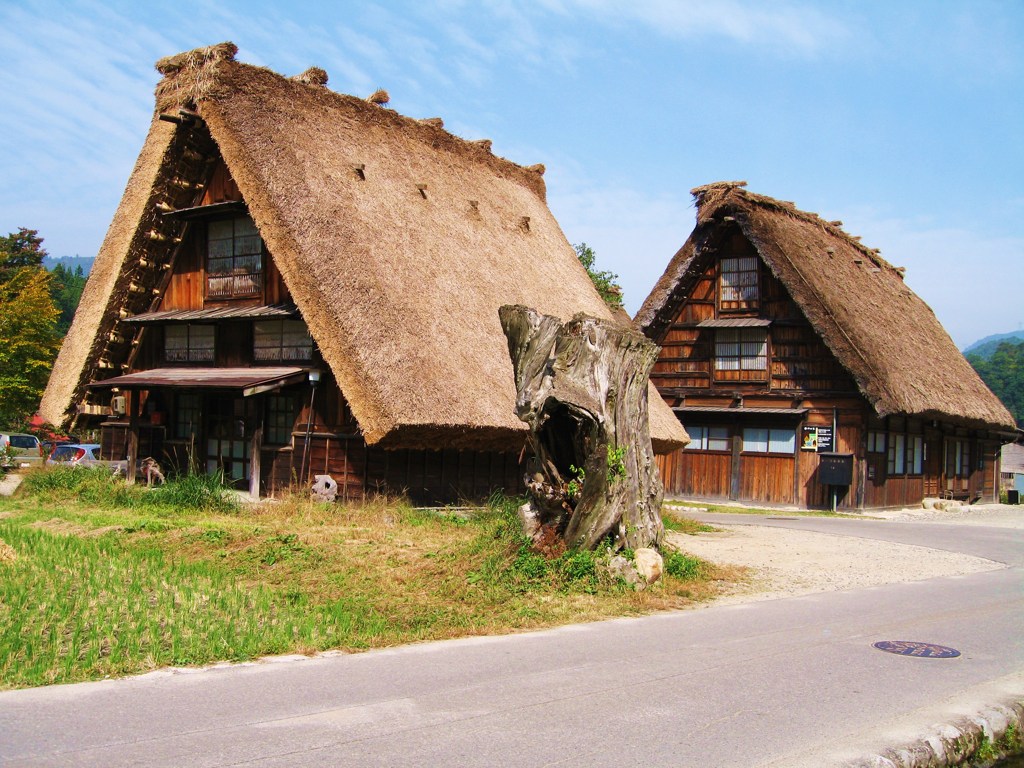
point(710, 197)
point(312, 76)
point(379, 97)
point(197, 57)
point(192, 76)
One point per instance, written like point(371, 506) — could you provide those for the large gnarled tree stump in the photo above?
point(582, 389)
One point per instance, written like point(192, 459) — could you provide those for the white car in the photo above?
point(76, 454)
point(19, 450)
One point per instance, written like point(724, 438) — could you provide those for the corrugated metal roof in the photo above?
point(252, 381)
point(735, 322)
point(740, 411)
point(207, 315)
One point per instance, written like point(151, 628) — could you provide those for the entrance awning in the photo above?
point(252, 381)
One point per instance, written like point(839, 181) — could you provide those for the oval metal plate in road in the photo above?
point(920, 650)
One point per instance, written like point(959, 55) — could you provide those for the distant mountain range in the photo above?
point(69, 262)
point(984, 348)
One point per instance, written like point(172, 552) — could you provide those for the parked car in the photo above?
point(76, 454)
point(20, 450)
point(49, 445)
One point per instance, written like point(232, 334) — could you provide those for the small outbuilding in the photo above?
point(301, 282)
point(807, 372)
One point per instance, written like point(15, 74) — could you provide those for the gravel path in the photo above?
point(786, 562)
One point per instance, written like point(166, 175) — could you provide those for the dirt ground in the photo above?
point(786, 562)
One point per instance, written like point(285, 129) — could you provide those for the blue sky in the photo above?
point(903, 118)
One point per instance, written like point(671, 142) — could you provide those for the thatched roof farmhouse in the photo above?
point(393, 240)
point(771, 318)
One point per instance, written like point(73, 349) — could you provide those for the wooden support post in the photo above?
point(734, 474)
point(255, 446)
point(133, 436)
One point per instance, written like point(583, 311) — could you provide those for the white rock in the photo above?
point(649, 564)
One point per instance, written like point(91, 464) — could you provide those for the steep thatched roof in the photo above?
point(887, 338)
point(397, 240)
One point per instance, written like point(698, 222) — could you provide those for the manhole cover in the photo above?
point(921, 650)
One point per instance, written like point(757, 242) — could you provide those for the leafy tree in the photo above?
point(604, 281)
point(66, 289)
point(18, 250)
point(1003, 372)
point(28, 325)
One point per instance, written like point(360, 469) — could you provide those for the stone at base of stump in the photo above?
point(649, 564)
point(623, 568)
point(645, 569)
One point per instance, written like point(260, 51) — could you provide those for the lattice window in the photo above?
point(187, 415)
point(189, 343)
point(234, 263)
point(708, 438)
point(769, 440)
point(897, 454)
point(876, 442)
point(280, 420)
point(281, 340)
point(958, 458)
point(739, 286)
point(741, 349)
point(915, 455)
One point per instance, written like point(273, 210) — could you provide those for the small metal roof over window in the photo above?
point(735, 322)
point(740, 411)
point(209, 315)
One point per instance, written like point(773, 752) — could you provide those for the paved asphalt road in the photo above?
point(777, 682)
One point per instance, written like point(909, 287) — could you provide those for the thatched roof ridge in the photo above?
point(397, 240)
point(210, 74)
point(887, 338)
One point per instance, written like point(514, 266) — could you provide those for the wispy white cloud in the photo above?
point(786, 28)
point(78, 104)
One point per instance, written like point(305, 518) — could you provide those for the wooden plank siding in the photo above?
point(695, 473)
point(801, 375)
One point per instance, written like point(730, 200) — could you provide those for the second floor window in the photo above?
point(281, 340)
point(189, 343)
point(234, 259)
point(738, 283)
point(741, 349)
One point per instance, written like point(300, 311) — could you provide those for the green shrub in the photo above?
point(203, 493)
point(682, 566)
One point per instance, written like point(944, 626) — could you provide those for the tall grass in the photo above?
point(109, 579)
point(97, 486)
point(73, 608)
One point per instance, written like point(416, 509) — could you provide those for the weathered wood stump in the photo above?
point(582, 389)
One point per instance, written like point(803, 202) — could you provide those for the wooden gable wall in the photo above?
point(800, 363)
point(186, 288)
